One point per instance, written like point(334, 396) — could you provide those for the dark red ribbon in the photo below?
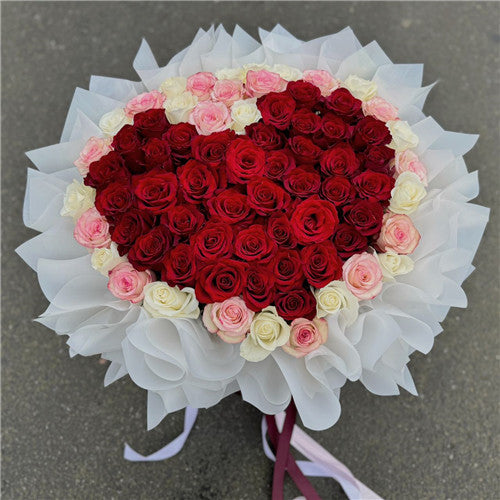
point(285, 462)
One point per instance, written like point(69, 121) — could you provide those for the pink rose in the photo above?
point(398, 234)
point(144, 102)
point(92, 229)
point(363, 276)
point(380, 109)
point(95, 149)
point(201, 84)
point(259, 83)
point(306, 336)
point(407, 161)
point(127, 283)
point(227, 91)
point(230, 319)
point(322, 79)
point(209, 117)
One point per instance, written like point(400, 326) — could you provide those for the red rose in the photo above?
point(338, 190)
point(343, 103)
point(348, 241)
point(304, 149)
point(155, 191)
point(314, 220)
point(339, 160)
point(211, 149)
point(305, 121)
point(334, 127)
point(302, 182)
point(265, 136)
point(259, 290)
point(378, 158)
point(279, 163)
point(115, 198)
point(365, 216)
point(109, 168)
point(157, 154)
point(305, 94)
point(179, 137)
point(253, 244)
point(179, 266)
point(213, 241)
point(264, 196)
point(321, 264)
point(183, 220)
point(129, 227)
point(221, 279)
point(276, 109)
point(280, 230)
point(230, 207)
point(244, 160)
point(370, 131)
point(292, 304)
point(151, 123)
point(197, 181)
point(288, 271)
point(150, 249)
point(129, 144)
point(374, 186)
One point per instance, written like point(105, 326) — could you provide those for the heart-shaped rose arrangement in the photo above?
point(264, 203)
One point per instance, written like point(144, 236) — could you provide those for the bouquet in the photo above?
point(268, 218)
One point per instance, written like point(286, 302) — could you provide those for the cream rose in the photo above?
point(78, 198)
point(164, 301)
point(393, 264)
point(336, 298)
point(255, 67)
point(179, 107)
point(110, 123)
point(244, 113)
point(231, 74)
point(407, 193)
point(402, 136)
point(360, 88)
point(288, 73)
point(267, 332)
point(105, 259)
point(173, 86)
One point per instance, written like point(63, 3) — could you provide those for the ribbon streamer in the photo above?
point(282, 434)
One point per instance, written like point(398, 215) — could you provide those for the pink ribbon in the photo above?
point(320, 463)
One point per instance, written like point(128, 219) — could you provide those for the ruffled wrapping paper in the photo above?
point(176, 360)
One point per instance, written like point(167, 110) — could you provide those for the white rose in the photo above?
point(164, 301)
point(112, 122)
point(231, 74)
point(244, 113)
point(173, 86)
point(407, 194)
point(105, 259)
point(336, 298)
point(393, 264)
point(402, 136)
point(267, 332)
point(178, 108)
point(288, 73)
point(77, 199)
point(361, 88)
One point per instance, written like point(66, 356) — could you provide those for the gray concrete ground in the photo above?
point(63, 433)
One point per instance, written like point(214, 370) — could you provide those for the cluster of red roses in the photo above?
point(264, 215)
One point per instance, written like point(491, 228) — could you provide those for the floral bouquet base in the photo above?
point(271, 218)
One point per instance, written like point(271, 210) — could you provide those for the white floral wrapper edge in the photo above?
point(175, 359)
